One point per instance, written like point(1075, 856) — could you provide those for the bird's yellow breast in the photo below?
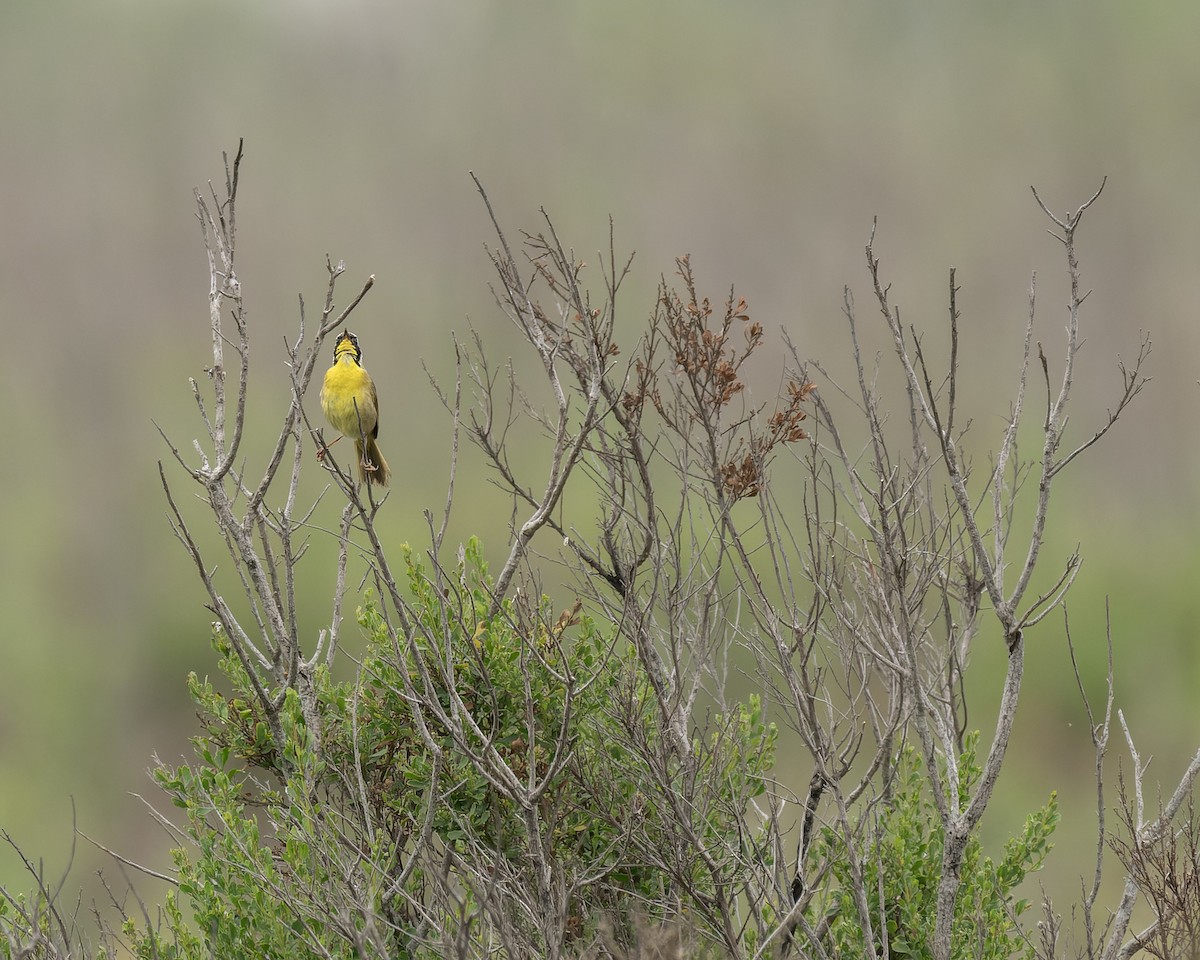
point(348, 398)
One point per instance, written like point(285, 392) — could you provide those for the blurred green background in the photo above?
point(760, 137)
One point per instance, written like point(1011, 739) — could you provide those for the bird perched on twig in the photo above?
point(351, 406)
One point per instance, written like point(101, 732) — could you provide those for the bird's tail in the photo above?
point(379, 471)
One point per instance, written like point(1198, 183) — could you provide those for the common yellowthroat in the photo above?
point(351, 406)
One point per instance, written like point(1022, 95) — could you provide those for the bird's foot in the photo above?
point(325, 449)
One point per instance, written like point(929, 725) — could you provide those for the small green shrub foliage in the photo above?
point(352, 830)
point(904, 864)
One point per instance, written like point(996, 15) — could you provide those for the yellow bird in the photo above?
point(351, 406)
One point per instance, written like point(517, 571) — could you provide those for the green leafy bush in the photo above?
point(339, 835)
point(903, 862)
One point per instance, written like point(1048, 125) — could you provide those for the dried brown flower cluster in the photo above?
point(707, 357)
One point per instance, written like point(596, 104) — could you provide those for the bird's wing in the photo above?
point(375, 404)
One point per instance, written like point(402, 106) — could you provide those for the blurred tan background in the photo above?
point(761, 137)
